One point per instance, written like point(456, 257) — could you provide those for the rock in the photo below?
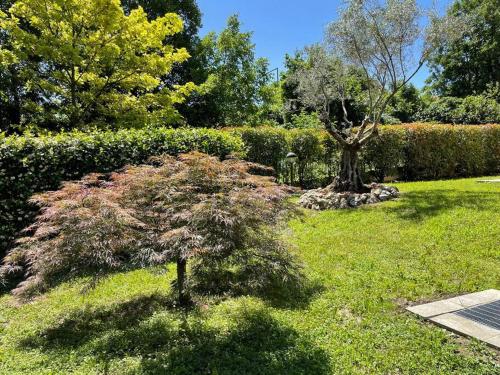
point(343, 203)
point(384, 196)
point(327, 198)
point(365, 197)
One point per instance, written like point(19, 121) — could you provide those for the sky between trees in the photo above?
point(283, 26)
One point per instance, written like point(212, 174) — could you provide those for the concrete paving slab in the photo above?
point(478, 298)
point(444, 313)
point(489, 181)
point(466, 327)
point(429, 310)
point(494, 341)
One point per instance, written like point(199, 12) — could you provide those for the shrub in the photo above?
point(187, 208)
point(304, 120)
point(431, 152)
point(447, 151)
point(439, 110)
point(469, 110)
point(411, 152)
point(31, 164)
point(265, 145)
point(307, 145)
point(384, 155)
point(477, 110)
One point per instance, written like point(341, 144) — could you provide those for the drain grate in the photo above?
point(488, 314)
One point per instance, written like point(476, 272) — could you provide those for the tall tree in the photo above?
point(381, 38)
point(10, 87)
point(236, 77)
point(90, 63)
point(469, 65)
point(405, 104)
point(190, 70)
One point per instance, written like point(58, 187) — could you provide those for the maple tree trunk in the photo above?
point(183, 295)
point(349, 178)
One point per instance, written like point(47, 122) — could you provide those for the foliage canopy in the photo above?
point(469, 65)
point(187, 208)
point(86, 62)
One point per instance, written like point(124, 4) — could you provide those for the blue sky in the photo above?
point(282, 26)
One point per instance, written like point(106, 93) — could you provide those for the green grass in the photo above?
point(440, 239)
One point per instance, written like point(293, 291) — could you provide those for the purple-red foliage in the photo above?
point(190, 207)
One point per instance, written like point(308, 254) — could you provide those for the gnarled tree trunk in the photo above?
point(349, 178)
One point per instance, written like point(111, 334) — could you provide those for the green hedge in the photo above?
point(408, 152)
point(30, 164)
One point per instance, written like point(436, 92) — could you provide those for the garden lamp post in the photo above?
point(291, 159)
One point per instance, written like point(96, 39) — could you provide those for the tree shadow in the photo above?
point(420, 205)
point(296, 291)
point(254, 343)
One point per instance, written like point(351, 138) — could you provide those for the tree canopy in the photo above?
point(191, 208)
point(89, 63)
point(469, 65)
point(236, 77)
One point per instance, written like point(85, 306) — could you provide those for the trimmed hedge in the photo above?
point(30, 164)
point(408, 152)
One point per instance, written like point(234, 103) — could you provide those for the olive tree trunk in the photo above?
point(349, 177)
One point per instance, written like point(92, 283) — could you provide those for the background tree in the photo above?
point(382, 39)
point(236, 78)
point(467, 66)
point(405, 104)
point(10, 85)
point(194, 109)
point(193, 208)
point(89, 63)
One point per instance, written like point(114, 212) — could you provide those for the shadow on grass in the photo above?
point(296, 292)
point(420, 205)
point(182, 343)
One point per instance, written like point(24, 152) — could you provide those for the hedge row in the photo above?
point(30, 164)
point(407, 152)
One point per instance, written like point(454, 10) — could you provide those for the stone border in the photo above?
point(442, 314)
point(328, 198)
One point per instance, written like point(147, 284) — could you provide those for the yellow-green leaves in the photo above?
point(94, 63)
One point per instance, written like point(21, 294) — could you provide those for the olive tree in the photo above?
point(387, 42)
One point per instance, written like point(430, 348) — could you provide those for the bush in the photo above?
point(265, 145)
point(304, 120)
point(447, 151)
point(30, 164)
point(384, 156)
point(308, 147)
point(439, 110)
point(411, 152)
point(469, 110)
point(431, 152)
point(190, 208)
point(477, 110)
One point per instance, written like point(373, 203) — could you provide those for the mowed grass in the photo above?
point(363, 268)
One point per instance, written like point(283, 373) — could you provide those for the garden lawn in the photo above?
point(363, 267)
